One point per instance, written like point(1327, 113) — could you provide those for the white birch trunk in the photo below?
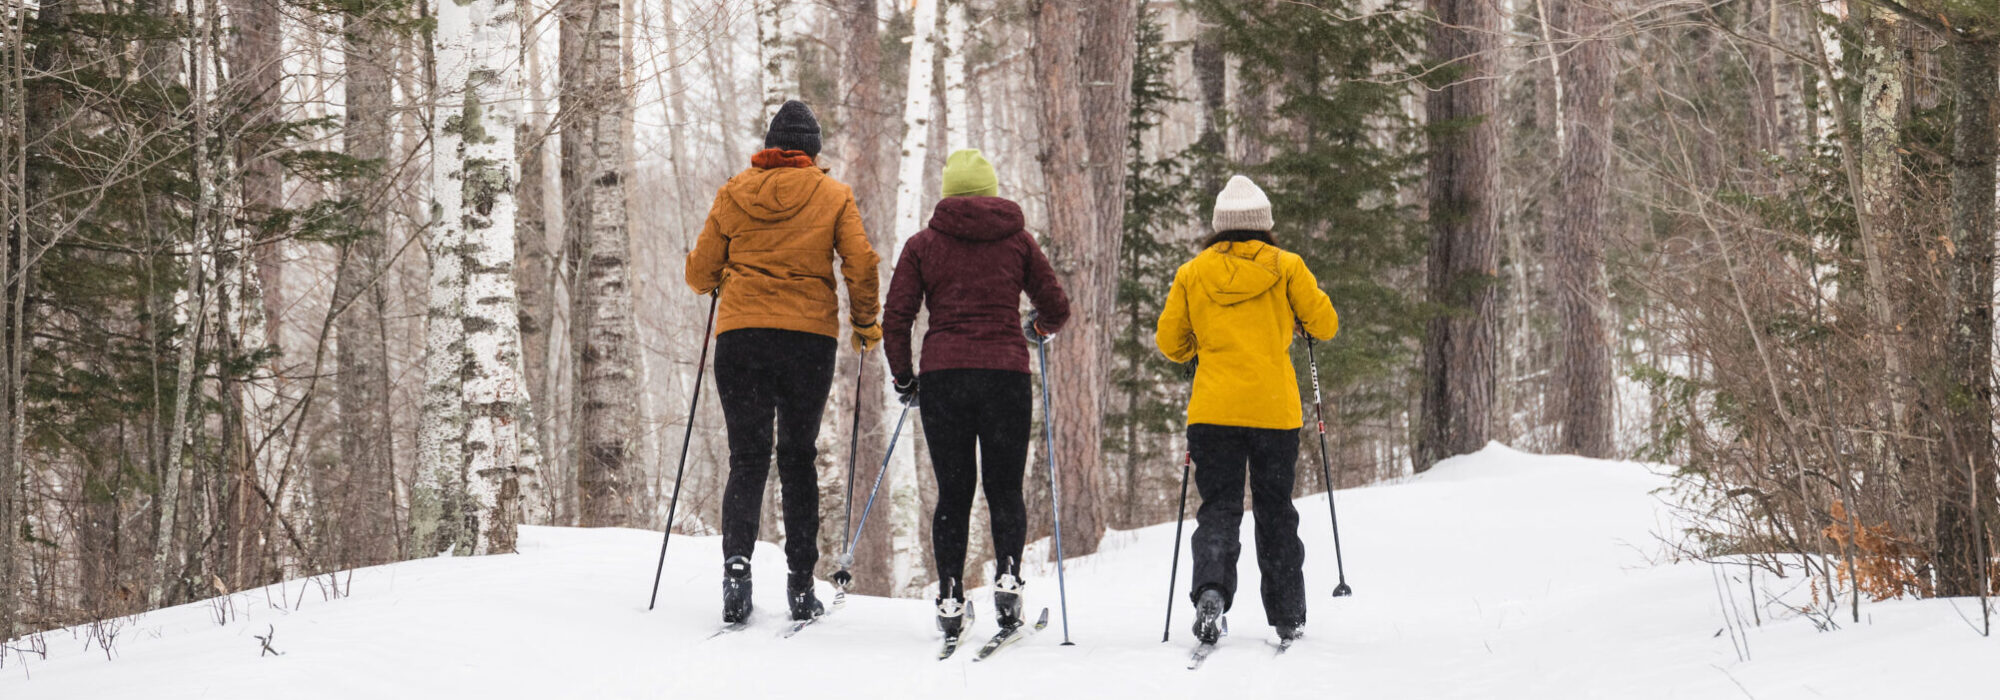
point(1881, 125)
point(443, 423)
point(780, 61)
point(470, 444)
point(958, 113)
point(903, 496)
point(494, 395)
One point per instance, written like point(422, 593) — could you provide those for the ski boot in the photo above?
point(951, 617)
point(1208, 616)
point(1290, 633)
point(799, 591)
point(1007, 601)
point(736, 590)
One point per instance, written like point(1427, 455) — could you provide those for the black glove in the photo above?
point(1187, 370)
point(906, 390)
point(1033, 332)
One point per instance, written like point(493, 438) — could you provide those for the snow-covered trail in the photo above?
point(1499, 575)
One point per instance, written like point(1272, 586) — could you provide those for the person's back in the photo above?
point(778, 224)
point(1233, 309)
point(1241, 300)
point(970, 267)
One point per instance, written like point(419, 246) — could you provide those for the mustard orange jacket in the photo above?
point(769, 242)
point(1235, 306)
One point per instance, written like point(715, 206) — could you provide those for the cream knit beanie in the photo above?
point(1242, 206)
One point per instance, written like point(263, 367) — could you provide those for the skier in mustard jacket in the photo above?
point(768, 247)
point(1236, 307)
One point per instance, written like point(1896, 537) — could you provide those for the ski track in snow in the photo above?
point(1498, 575)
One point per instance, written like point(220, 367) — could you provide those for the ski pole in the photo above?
point(1055, 495)
point(841, 578)
point(1187, 463)
point(673, 504)
point(847, 559)
point(1325, 476)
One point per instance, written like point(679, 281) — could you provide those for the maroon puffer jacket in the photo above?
point(970, 267)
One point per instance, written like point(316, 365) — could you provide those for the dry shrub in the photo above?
point(1880, 563)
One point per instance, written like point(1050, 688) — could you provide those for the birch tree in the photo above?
point(780, 60)
point(1878, 168)
point(470, 445)
point(917, 101)
point(604, 336)
point(958, 112)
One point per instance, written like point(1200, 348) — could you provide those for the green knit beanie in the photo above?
point(967, 174)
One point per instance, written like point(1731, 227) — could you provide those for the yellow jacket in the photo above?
point(1234, 306)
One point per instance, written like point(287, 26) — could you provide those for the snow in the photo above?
point(1496, 575)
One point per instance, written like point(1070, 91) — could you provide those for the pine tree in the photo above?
point(1461, 345)
point(1146, 398)
point(1342, 150)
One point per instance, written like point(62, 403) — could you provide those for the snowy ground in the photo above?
point(1500, 575)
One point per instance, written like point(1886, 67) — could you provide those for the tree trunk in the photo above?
point(436, 500)
point(176, 475)
point(1879, 172)
point(1211, 76)
point(364, 502)
point(863, 132)
point(604, 334)
point(957, 110)
point(43, 105)
point(780, 60)
point(917, 101)
point(1460, 353)
point(256, 84)
point(533, 270)
point(472, 469)
point(1587, 411)
point(1077, 361)
point(1967, 473)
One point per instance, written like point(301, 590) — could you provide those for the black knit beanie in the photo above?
point(794, 129)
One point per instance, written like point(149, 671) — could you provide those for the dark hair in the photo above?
point(1237, 236)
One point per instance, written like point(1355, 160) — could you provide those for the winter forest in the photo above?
point(294, 288)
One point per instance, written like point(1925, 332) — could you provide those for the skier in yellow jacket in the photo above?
point(1235, 308)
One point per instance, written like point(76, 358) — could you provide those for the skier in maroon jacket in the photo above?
point(970, 267)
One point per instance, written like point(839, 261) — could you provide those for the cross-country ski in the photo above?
point(1200, 655)
point(1008, 636)
point(730, 628)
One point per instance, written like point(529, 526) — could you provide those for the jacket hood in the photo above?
point(1235, 272)
point(775, 194)
point(977, 218)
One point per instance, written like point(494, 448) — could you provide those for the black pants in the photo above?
point(976, 423)
point(1222, 456)
point(765, 374)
